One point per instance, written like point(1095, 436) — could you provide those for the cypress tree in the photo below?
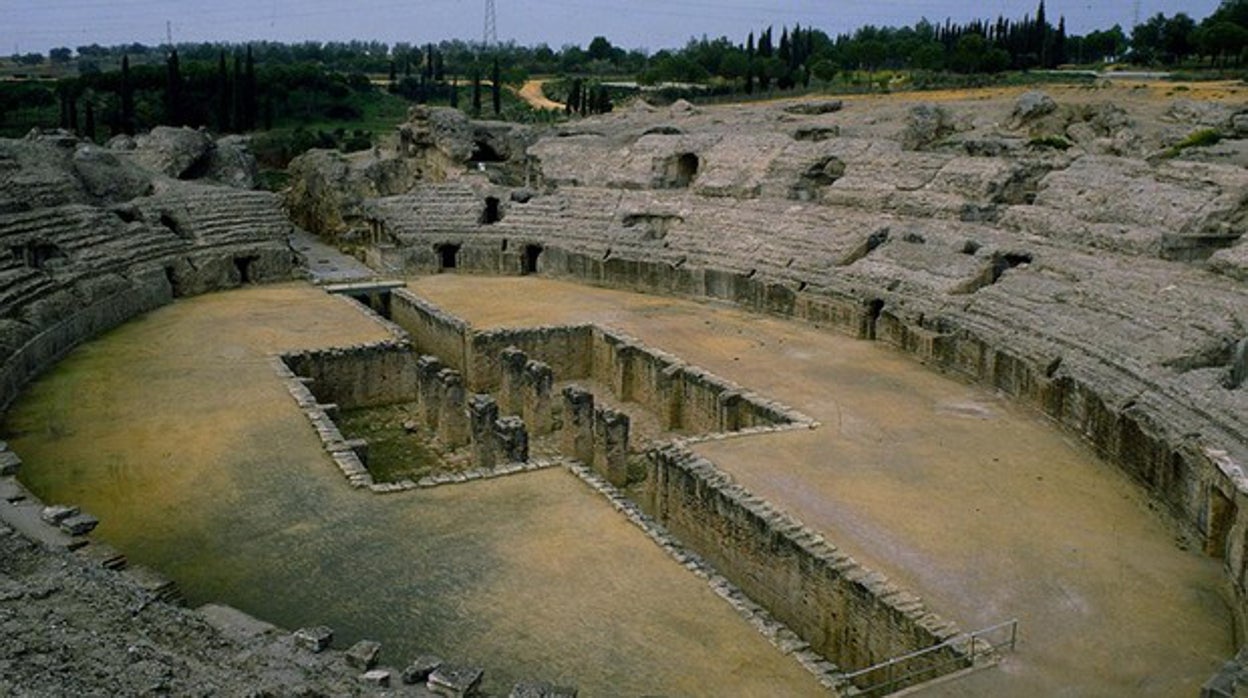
point(73, 110)
point(127, 98)
point(89, 127)
point(239, 118)
point(223, 95)
point(476, 92)
point(496, 79)
point(394, 75)
point(173, 90)
point(251, 102)
point(455, 92)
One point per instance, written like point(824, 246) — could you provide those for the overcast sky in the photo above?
point(37, 25)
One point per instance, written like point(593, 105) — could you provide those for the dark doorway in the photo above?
point(681, 170)
point(448, 256)
point(492, 213)
point(875, 309)
point(532, 253)
point(243, 265)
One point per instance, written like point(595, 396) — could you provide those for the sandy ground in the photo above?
point(982, 508)
point(174, 430)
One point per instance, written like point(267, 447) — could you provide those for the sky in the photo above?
point(38, 25)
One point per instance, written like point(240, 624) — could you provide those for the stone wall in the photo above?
point(366, 375)
point(565, 349)
point(1136, 417)
point(432, 330)
point(853, 617)
point(137, 294)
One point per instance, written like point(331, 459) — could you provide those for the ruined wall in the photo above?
point(367, 375)
point(432, 330)
point(852, 617)
point(137, 294)
point(565, 349)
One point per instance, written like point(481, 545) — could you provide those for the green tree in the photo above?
point(496, 87)
point(173, 90)
point(127, 98)
point(476, 91)
point(223, 94)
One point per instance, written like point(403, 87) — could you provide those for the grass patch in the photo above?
point(1200, 139)
point(394, 452)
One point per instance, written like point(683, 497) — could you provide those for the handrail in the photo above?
point(889, 666)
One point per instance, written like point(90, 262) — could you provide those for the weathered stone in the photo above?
point(453, 428)
point(420, 668)
point(814, 108)
point(482, 415)
point(577, 440)
point(539, 381)
point(363, 654)
point(541, 689)
point(79, 524)
point(455, 681)
point(429, 390)
point(513, 439)
point(611, 445)
point(511, 381)
point(925, 125)
point(1033, 105)
point(376, 677)
point(175, 152)
point(314, 639)
point(57, 513)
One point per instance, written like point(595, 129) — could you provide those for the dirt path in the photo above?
point(532, 93)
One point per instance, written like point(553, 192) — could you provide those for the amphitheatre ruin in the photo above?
point(933, 392)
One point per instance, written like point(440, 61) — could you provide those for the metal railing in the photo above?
point(900, 672)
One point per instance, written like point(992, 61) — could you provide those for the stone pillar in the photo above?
point(482, 413)
point(539, 380)
point(428, 389)
point(452, 418)
point(578, 424)
point(672, 397)
point(611, 445)
point(511, 380)
point(513, 439)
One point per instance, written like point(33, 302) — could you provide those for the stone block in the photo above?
point(539, 381)
point(453, 430)
point(511, 380)
point(428, 390)
point(315, 639)
point(512, 439)
point(377, 677)
point(9, 463)
point(455, 681)
point(363, 654)
point(611, 445)
point(79, 524)
point(57, 513)
point(577, 439)
point(482, 414)
point(420, 669)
